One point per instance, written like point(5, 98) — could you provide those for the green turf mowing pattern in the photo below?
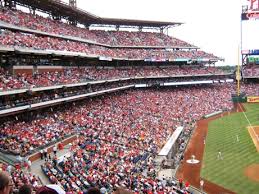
point(229, 172)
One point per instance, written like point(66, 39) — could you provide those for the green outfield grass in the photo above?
point(229, 172)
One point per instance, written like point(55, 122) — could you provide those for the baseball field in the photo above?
point(236, 136)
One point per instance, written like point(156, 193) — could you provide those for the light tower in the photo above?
point(72, 3)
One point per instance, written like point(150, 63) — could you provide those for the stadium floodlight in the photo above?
point(244, 8)
point(73, 3)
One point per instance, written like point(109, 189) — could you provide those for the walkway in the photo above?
point(36, 165)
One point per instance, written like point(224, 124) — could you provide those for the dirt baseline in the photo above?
point(254, 133)
point(191, 173)
point(252, 172)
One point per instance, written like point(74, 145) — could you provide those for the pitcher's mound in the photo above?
point(252, 172)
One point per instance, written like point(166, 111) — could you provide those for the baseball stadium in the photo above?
point(98, 105)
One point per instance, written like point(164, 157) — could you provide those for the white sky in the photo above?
point(213, 25)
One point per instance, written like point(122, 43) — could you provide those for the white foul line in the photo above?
point(249, 122)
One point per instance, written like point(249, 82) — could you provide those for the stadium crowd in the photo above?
point(105, 73)
point(24, 137)
point(21, 138)
point(110, 139)
point(251, 71)
point(112, 131)
point(118, 136)
point(251, 89)
point(20, 181)
point(49, 126)
point(114, 38)
point(30, 97)
point(20, 176)
point(48, 78)
point(90, 156)
point(32, 41)
point(82, 74)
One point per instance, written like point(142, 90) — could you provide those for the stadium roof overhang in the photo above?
point(59, 8)
point(143, 23)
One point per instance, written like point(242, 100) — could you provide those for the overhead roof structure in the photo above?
point(59, 8)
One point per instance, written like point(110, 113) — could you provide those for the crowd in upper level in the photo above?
point(82, 74)
point(48, 78)
point(114, 38)
point(31, 98)
point(251, 71)
point(32, 41)
point(105, 73)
